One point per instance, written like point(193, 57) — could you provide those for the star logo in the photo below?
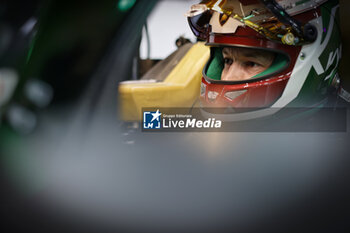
point(151, 120)
point(156, 115)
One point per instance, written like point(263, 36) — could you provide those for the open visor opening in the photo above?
point(213, 71)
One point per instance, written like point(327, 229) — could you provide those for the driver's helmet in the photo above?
point(300, 38)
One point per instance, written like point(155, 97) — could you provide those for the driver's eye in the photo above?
point(251, 64)
point(228, 61)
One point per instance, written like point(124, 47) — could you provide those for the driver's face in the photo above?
point(243, 63)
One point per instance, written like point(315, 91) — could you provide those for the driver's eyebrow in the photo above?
point(260, 56)
point(245, 52)
point(226, 52)
point(256, 54)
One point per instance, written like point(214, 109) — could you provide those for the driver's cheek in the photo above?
point(235, 72)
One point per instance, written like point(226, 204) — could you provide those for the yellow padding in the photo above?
point(180, 89)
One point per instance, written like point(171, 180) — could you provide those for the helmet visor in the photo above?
point(271, 19)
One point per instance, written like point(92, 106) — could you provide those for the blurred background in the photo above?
point(68, 165)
